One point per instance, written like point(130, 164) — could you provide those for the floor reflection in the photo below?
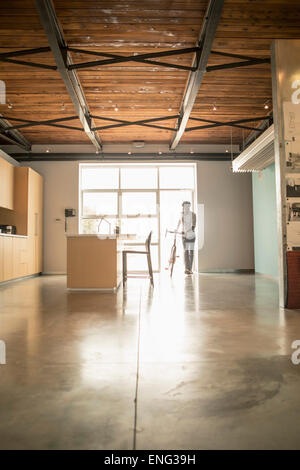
point(214, 349)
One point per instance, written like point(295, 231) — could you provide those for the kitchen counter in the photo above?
point(101, 236)
point(15, 235)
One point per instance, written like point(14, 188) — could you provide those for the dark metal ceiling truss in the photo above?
point(49, 122)
point(143, 58)
point(5, 130)
point(9, 57)
point(67, 68)
point(32, 157)
point(62, 59)
point(232, 65)
point(142, 122)
point(206, 38)
point(229, 123)
point(13, 136)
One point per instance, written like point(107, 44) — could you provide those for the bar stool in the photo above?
point(146, 252)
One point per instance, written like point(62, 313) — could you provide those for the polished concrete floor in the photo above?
point(208, 358)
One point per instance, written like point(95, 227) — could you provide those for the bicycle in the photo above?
point(173, 256)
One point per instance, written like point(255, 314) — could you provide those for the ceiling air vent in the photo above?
point(258, 155)
point(138, 144)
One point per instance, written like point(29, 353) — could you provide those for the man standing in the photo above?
point(188, 222)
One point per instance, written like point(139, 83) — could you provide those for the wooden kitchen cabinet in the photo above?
point(22, 256)
point(6, 184)
point(35, 218)
point(1, 260)
point(8, 265)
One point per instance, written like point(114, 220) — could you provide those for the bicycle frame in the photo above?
point(173, 256)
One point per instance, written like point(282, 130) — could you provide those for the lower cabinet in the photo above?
point(19, 257)
point(1, 260)
point(8, 270)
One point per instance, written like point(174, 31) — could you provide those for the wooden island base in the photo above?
point(94, 262)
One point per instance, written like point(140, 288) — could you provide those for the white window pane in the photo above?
point(171, 207)
point(92, 226)
point(99, 178)
point(99, 204)
point(138, 203)
point(139, 262)
point(138, 178)
point(176, 177)
point(141, 227)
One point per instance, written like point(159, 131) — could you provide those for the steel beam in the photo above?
point(233, 65)
point(49, 122)
point(207, 35)
point(12, 141)
point(229, 123)
point(143, 122)
point(29, 64)
point(37, 50)
point(266, 122)
point(234, 56)
point(136, 123)
point(13, 137)
point(9, 57)
point(57, 44)
point(31, 157)
point(144, 58)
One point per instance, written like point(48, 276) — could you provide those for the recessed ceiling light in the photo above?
point(192, 151)
point(266, 106)
point(129, 153)
point(47, 150)
point(10, 106)
point(214, 108)
point(226, 150)
point(170, 109)
point(159, 153)
point(116, 108)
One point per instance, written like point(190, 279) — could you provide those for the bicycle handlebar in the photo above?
point(173, 231)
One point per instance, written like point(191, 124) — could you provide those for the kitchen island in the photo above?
point(94, 262)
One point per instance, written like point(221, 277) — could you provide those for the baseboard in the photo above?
point(54, 273)
point(226, 271)
point(17, 279)
point(268, 276)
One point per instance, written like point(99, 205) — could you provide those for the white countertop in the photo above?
point(101, 236)
point(13, 235)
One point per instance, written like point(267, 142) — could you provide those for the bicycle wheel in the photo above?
point(172, 260)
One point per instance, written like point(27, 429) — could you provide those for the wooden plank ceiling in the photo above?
point(142, 91)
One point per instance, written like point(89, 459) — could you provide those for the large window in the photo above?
point(137, 198)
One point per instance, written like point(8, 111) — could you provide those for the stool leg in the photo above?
point(150, 268)
point(124, 268)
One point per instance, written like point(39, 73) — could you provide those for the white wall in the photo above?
point(60, 193)
point(228, 219)
point(227, 199)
